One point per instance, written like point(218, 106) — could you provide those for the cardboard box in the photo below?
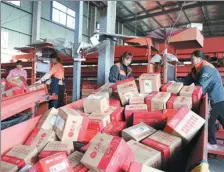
point(39, 138)
point(98, 121)
point(167, 144)
point(153, 119)
point(126, 89)
point(157, 101)
point(117, 114)
point(95, 103)
point(172, 87)
point(85, 148)
point(47, 122)
point(25, 168)
point(138, 167)
point(130, 109)
point(56, 162)
point(145, 155)
point(71, 124)
point(149, 82)
point(176, 102)
point(114, 102)
point(19, 155)
point(74, 160)
point(54, 147)
point(195, 92)
point(137, 132)
point(129, 159)
point(185, 124)
point(106, 153)
point(114, 128)
point(138, 99)
point(78, 145)
point(8, 167)
point(90, 134)
point(169, 113)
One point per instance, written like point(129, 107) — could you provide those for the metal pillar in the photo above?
point(106, 56)
point(36, 20)
point(93, 18)
point(120, 31)
point(77, 40)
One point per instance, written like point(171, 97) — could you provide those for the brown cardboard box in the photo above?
point(138, 167)
point(71, 124)
point(75, 159)
point(98, 121)
point(167, 144)
point(145, 155)
point(137, 132)
point(54, 147)
point(114, 128)
point(39, 138)
point(96, 103)
point(130, 109)
point(185, 124)
point(172, 87)
point(47, 122)
point(20, 155)
point(7, 167)
point(138, 99)
point(157, 101)
point(176, 102)
point(106, 153)
point(149, 82)
point(126, 89)
point(195, 92)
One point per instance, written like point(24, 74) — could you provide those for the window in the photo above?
point(17, 3)
point(63, 15)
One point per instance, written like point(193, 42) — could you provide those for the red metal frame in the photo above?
point(19, 103)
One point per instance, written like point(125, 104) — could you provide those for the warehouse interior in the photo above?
point(89, 37)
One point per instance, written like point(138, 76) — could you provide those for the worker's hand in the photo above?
point(38, 82)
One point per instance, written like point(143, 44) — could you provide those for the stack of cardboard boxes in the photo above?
point(126, 136)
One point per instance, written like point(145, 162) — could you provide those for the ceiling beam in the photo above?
point(206, 20)
point(180, 5)
point(171, 11)
point(140, 5)
point(128, 10)
point(163, 9)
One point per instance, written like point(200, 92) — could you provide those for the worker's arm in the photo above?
point(48, 75)
point(9, 75)
point(204, 79)
point(114, 73)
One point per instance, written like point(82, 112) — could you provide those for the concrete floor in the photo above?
point(216, 164)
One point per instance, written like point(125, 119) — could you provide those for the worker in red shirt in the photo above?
point(18, 71)
point(121, 70)
point(57, 85)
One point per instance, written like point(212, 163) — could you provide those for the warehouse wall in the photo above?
point(17, 22)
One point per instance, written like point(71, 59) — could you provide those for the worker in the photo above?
point(17, 72)
point(57, 85)
point(121, 70)
point(206, 75)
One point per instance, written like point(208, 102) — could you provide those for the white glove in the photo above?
point(45, 77)
point(38, 82)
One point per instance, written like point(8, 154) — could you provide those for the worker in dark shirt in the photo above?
point(121, 70)
point(206, 75)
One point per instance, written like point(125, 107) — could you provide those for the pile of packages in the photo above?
point(118, 129)
point(16, 86)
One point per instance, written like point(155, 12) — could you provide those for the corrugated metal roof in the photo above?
point(145, 16)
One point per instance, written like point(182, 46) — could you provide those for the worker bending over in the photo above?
point(57, 85)
point(206, 75)
point(121, 70)
point(17, 72)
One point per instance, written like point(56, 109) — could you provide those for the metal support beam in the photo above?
point(77, 40)
point(133, 14)
point(180, 5)
point(93, 19)
point(186, 7)
point(36, 21)
point(163, 9)
point(206, 17)
point(120, 31)
point(140, 5)
point(106, 56)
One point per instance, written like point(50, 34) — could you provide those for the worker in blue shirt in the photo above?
point(206, 75)
point(121, 70)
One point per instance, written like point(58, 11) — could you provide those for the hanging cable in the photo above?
point(167, 42)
